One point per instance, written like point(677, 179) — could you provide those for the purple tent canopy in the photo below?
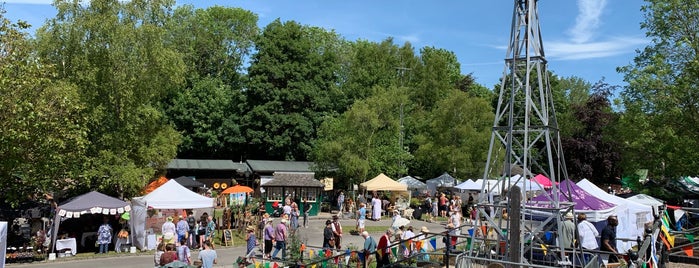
point(584, 201)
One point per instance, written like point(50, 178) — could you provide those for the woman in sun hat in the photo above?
point(251, 240)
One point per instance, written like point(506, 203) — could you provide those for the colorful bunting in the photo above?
point(266, 264)
point(689, 237)
point(665, 227)
point(310, 253)
point(395, 251)
point(689, 250)
point(433, 243)
point(276, 265)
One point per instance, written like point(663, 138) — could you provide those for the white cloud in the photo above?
point(588, 20)
point(591, 50)
point(30, 2)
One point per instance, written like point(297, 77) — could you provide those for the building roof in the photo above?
point(270, 166)
point(188, 182)
point(207, 164)
point(297, 179)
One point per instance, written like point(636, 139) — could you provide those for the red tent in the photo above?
point(543, 180)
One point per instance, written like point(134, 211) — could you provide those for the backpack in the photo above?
point(192, 222)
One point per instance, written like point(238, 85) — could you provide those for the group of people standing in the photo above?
point(187, 233)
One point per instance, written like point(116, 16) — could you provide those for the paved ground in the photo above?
point(313, 236)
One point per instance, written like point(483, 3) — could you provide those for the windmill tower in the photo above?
point(525, 134)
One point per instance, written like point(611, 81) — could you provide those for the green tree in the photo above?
point(368, 65)
point(208, 117)
point(42, 130)
point(115, 53)
point(214, 42)
point(456, 138)
point(661, 116)
point(438, 73)
point(364, 141)
point(293, 85)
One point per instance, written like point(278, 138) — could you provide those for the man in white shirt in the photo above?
point(587, 235)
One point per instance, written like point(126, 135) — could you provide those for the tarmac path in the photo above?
point(312, 236)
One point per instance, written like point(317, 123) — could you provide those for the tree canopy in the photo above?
point(107, 92)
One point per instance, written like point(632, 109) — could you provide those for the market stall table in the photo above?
point(68, 243)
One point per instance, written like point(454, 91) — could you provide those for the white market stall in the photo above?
point(170, 195)
point(632, 216)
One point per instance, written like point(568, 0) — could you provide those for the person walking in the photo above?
point(383, 249)
point(443, 205)
point(567, 231)
point(337, 232)
point(368, 250)
point(208, 256)
point(169, 231)
point(201, 229)
point(306, 212)
point(192, 224)
point(182, 229)
point(280, 235)
point(104, 236)
point(328, 237)
point(376, 208)
point(210, 230)
point(294, 217)
point(268, 234)
point(587, 234)
point(340, 201)
point(251, 242)
point(361, 218)
point(608, 238)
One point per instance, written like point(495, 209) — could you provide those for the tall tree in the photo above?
point(364, 141)
point(456, 137)
point(114, 52)
point(591, 152)
point(214, 42)
point(438, 73)
point(661, 103)
point(372, 65)
point(42, 131)
point(293, 85)
point(208, 118)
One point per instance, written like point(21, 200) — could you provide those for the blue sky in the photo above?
point(584, 38)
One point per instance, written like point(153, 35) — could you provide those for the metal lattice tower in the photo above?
point(525, 134)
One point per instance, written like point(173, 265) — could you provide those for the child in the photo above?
point(183, 253)
point(158, 253)
point(251, 242)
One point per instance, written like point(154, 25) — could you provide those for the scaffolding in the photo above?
point(525, 134)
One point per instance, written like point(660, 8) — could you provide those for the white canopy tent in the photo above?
point(170, 195)
point(468, 185)
point(632, 216)
point(647, 200)
point(412, 183)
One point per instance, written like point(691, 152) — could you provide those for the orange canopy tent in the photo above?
point(155, 184)
point(237, 189)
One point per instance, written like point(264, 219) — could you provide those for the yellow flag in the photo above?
point(313, 266)
point(310, 254)
point(543, 247)
point(665, 227)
